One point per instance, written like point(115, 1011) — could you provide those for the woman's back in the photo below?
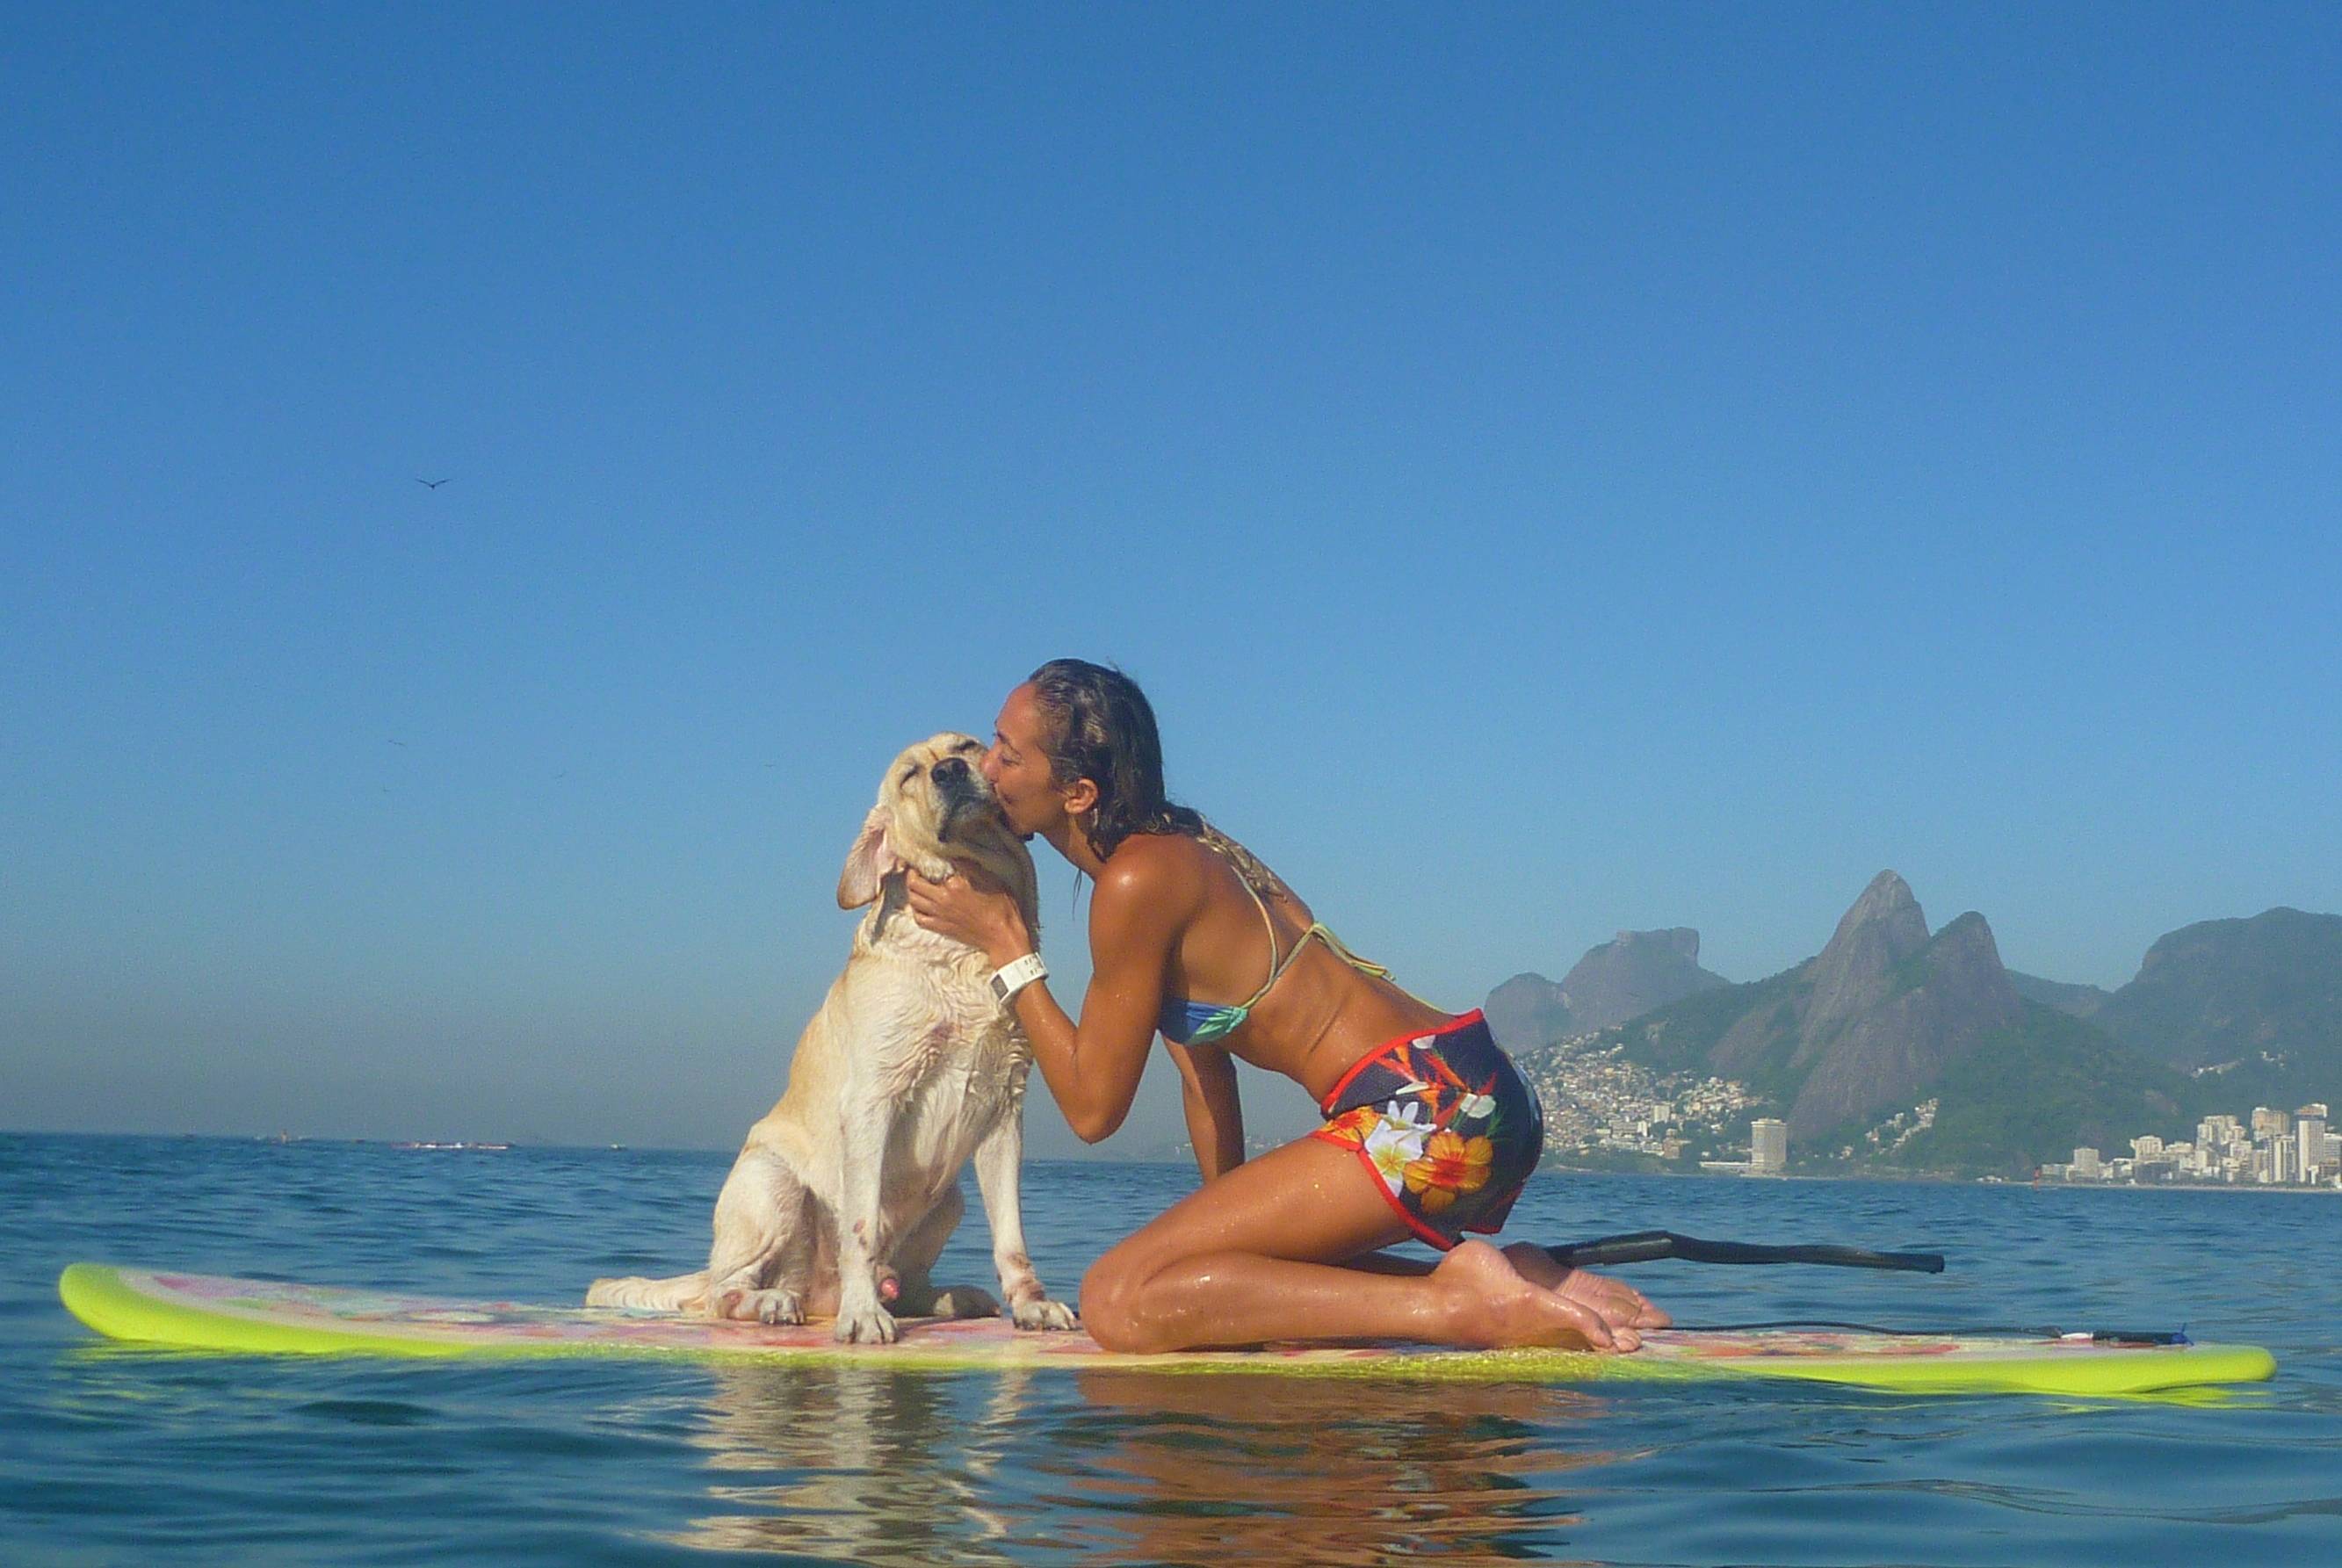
point(1253, 971)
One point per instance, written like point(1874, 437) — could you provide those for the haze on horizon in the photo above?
point(1555, 471)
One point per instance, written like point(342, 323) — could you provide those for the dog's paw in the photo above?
point(777, 1306)
point(770, 1307)
point(873, 1324)
point(964, 1301)
point(1043, 1313)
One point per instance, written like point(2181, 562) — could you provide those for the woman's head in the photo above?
point(1091, 726)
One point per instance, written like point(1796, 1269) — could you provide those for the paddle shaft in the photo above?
point(1648, 1246)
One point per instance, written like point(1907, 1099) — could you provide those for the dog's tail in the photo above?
point(685, 1292)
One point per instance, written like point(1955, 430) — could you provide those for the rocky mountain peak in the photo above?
point(1680, 940)
point(1965, 959)
point(1904, 1025)
point(1969, 930)
point(1633, 973)
point(1623, 978)
point(1529, 1010)
point(1854, 973)
point(1889, 905)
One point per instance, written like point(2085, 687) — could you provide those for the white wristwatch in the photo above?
point(1016, 976)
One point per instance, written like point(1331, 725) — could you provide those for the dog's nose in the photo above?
point(951, 771)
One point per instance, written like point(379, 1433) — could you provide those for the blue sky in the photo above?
point(1555, 469)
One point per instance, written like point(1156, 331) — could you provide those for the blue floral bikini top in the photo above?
point(1185, 1022)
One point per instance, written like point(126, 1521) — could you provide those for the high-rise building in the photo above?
point(1768, 1146)
point(2086, 1165)
point(2309, 1128)
point(2268, 1121)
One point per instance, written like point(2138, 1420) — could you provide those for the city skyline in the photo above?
point(2268, 1147)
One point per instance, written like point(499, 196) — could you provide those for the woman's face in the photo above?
point(1017, 767)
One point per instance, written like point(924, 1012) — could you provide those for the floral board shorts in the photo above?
point(1444, 1124)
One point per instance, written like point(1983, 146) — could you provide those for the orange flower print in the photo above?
point(1351, 1127)
point(1449, 1166)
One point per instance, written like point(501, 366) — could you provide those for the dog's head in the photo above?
point(935, 815)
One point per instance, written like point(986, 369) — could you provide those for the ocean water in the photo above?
point(116, 1454)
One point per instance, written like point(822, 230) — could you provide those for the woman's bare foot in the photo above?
point(1491, 1302)
point(1620, 1304)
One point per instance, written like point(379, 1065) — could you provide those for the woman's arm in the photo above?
point(1207, 1092)
point(1092, 1068)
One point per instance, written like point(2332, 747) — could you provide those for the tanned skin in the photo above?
point(1281, 1247)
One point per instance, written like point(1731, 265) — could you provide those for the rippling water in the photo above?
point(116, 1454)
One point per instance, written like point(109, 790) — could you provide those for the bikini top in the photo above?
point(1185, 1022)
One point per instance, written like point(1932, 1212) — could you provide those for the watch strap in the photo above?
point(1017, 974)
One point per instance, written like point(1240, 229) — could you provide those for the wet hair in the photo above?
point(1101, 728)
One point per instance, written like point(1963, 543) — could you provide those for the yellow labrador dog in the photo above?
point(846, 1191)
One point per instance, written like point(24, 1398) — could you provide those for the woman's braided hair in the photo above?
point(1102, 728)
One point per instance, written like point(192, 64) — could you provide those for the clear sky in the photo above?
point(1556, 469)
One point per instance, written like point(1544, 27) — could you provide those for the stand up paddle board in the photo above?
point(203, 1312)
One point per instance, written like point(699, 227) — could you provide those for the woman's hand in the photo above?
point(985, 919)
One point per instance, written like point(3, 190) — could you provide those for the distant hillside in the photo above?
point(1621, 979)
point(2033, 1093)
point(2075, 1001)
point(1888, 1016)
point(2259, 999)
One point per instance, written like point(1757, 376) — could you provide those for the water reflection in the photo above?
point(862, 1465)
point(1136, 1467)
point(1284, 1470)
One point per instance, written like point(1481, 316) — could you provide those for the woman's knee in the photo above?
point(1109, 1301)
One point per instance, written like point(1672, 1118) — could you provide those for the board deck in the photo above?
point(206, 1312)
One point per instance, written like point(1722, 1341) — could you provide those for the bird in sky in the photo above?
point(430, 484)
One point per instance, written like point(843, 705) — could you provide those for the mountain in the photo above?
point(2075, 1001)
point(1623, 978)
point(1874, 1044)
point(1529, 1011)
point(2259, 1001)
point(1888, 1016)
point(1856, 1030)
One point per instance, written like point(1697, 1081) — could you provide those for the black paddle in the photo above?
point(1647, 1246)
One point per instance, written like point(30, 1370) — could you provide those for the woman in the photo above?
point(1430, 1131)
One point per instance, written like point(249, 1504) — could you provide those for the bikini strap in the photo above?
point(1220, 844)
point(1341, 951)
point(1275, 967)
point(1364, 965)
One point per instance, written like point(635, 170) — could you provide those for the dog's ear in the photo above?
point(867, 862)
